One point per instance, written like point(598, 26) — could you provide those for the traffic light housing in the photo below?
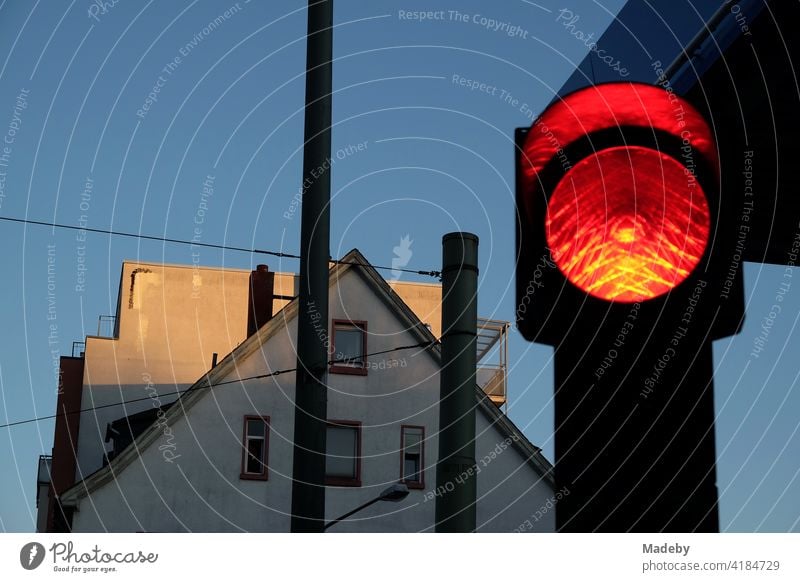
point(628, 264)
point(618, 201)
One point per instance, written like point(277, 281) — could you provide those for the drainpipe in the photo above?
point(456, 477)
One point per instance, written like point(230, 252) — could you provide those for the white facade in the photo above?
point(183, 473)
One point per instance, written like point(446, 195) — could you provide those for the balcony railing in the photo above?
point(107, 326)
point(492, 347)
point(43, 474)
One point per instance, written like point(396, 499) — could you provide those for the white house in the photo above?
point(219, 458)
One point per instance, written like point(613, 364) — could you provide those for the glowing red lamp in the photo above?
point(627, 224)
point(625, 218)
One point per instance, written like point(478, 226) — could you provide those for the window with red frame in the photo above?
point(412, 460)
point(349, 347)
point(343, 461)
point(255, 445)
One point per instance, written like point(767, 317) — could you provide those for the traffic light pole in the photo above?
point(311, 406)
point(634, 412)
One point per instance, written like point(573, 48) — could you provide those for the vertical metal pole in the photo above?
point(311, 406)
point(634, 443)
point(456, 476)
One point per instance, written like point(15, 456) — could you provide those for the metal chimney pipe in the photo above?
point(456, 477)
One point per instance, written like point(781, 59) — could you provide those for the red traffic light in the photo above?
point(610, 174)
point(623, 226)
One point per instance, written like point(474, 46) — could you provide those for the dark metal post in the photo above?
point(634, 416)
point(456, 477)
point(311, 406)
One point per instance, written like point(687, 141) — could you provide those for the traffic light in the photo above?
point(618, 202)
point(625, 265)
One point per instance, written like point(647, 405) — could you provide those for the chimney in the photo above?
point(65, 440)
point(259, 302)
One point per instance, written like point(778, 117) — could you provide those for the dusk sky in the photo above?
point(118, 116)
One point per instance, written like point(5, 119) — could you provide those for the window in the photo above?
point(343, 462)
point(254, 447)
point(349, 347)
point(412, 456)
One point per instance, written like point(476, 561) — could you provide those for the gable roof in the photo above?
point(354, 260)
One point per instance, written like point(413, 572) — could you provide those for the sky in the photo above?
point(120, 114)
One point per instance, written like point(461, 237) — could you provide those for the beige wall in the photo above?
point(424, 299)
point(171, 318)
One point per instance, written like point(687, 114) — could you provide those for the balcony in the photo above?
point(43, 474)
point(107, 326)
point(492, 356)
point(78, 349)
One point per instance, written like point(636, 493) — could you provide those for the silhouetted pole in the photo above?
point(456, 479)
point(634, 420)
point(311, 406)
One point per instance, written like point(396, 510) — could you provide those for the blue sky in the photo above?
point(437, 157)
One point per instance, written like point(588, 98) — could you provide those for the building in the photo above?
point(170, 323)
point(206, 445)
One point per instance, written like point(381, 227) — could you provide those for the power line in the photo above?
point(188, 390)
point(435, 274)
point(279, 254)
point(429, 344)
point(149, 237)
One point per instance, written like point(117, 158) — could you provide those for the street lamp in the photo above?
point(396, 492)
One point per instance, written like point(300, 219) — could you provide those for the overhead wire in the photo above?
point(180, 393)
point(279, 254)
